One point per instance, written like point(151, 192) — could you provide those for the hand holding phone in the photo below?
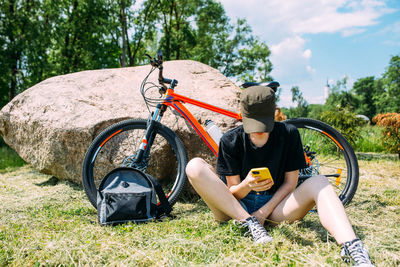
point(263, 173)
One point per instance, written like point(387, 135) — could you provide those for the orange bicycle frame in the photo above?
point(176, 102)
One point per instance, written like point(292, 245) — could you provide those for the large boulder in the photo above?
point(52, 124)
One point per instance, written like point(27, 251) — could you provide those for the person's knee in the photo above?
point(195, 168)
point(317, 183)
point(313, 186)
point(323, 180)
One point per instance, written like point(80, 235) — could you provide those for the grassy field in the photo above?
point(9, 157)
point(44, 221)
point(369, 140)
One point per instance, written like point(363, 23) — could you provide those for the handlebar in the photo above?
point(158, 63)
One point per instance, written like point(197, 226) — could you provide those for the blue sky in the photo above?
point(315, 41)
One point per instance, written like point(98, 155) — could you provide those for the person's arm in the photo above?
point(288, 186)
point(237, 188)
point(240, 189)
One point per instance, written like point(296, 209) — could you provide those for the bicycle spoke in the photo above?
point(333, 167)
point(320, 143)
point(118, 146)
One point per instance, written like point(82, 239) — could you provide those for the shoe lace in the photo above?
point(257, 230)
point(358, 253)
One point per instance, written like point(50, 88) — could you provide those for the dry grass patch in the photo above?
point(48, 222)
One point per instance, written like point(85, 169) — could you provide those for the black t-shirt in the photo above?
point(282, 153)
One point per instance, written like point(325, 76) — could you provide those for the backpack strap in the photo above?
point(164, 207)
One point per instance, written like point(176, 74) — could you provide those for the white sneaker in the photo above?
point(355, 250)
point(255, 230)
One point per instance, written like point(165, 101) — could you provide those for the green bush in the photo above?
point(369, 139)
point(345, 122)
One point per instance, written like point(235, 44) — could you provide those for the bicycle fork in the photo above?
point(148, 139)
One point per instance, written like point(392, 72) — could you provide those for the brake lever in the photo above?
point(153, 61)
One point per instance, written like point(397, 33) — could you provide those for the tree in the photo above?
point(340, 98)
point(389, 98)
point(244, 56)
point(200, 30)
point(213, 30)
point(315, 110)
point(141, 21)
point(43, 38)
point(345, 121)
point(178, 34)
point(365, 89)
point(302, 106)
point(82, 37)
point(23, 40)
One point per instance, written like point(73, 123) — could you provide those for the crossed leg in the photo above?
point(314, 191)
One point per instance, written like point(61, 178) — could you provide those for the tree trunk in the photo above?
point(14, 57)
point(13, 83)
point(68, 58)
point(124, 33)
point(177, 26)
point(147, 14)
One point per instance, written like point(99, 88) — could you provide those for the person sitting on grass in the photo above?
point(262, 142)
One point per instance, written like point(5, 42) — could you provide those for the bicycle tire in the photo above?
point(324, 139)
point(116, 146)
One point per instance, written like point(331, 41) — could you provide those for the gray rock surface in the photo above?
point(52, 124)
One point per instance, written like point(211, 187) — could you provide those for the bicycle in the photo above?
point(135, 142)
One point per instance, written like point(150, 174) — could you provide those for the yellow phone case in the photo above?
point(263, 172)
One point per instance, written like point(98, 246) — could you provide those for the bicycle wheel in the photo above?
point(328, 153)
point(117, 146)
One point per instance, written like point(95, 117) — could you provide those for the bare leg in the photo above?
point(213, 191)
point(316, 191)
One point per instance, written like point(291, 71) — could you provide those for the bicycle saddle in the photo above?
point(273, 85)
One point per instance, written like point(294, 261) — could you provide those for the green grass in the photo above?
point(48, 222)
point(9, 158)
point(318, 142)
point(369, 140)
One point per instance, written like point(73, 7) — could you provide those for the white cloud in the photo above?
point(391, 43)
point(277, 18)
point(289, 44)
point(393, 31)
point(396, 27)
point(291, 59)
point(285, 99)
point(352, 31)
point(307, 53)
point(310, 69)
point(284, 24)
point(327, 17)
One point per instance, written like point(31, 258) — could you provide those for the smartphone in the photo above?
point(263, 173)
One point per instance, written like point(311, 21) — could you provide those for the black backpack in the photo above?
point(128, 195)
